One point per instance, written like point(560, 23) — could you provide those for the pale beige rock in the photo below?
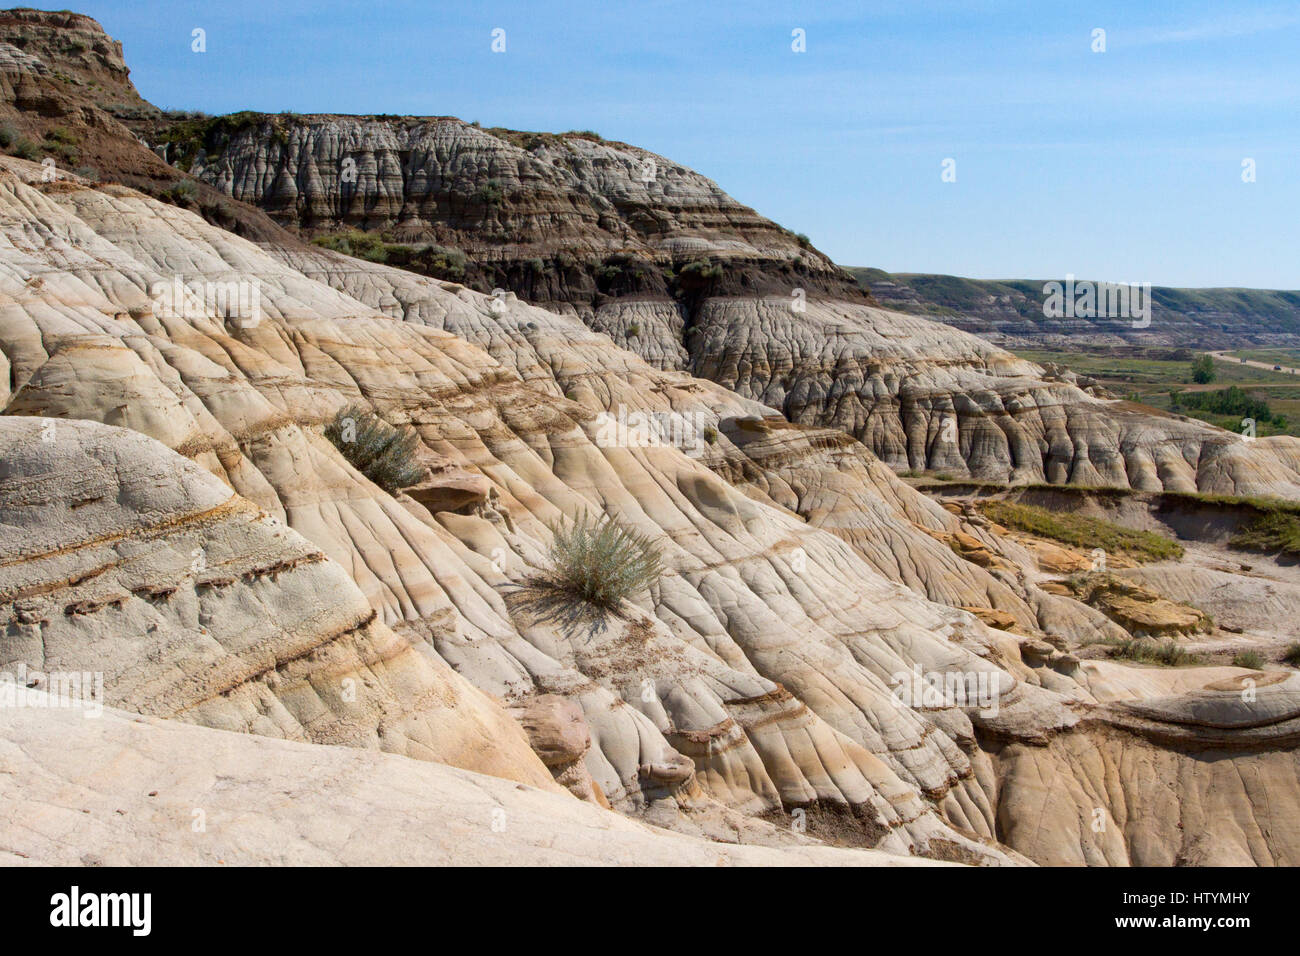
point(124, 790)
point(558, 733)
point(254, 388)
point(124, 560)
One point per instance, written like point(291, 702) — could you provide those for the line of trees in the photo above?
point(1227, 401)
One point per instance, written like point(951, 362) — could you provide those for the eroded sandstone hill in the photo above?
point(758, 676)
point(556, 218)
point(177, 519)
point(669, 267)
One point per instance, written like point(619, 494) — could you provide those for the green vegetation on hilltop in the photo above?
point(199, 132)
point(437, 261)
point(1081, 531)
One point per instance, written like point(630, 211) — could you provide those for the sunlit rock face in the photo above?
point(922, 395)
point(760, 674)
point(246, 400)
point(127, 561)
point(190, 532)
point(610, 233)
point(137, 790)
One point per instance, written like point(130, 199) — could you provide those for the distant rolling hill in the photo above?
point(1010, 312)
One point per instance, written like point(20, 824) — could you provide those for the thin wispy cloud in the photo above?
point(1215, 28)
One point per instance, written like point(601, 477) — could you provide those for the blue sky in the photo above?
point(1123, 166)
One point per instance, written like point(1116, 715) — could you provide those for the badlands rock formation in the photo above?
point(248, 403)
point(639, 247)
point(558, 219)
point(757, 677)
point(120, 554)
point(921, 395)
point(670, 267)
point(188, 531)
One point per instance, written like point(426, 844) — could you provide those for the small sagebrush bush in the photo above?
point(384, 454)
point(25, 149)
point(490, 193)
point(354, 242)
point(1147, 651)
point(700, 270)
point(597, 559)
point(1292, 655)
point(437, 261)
point(1251, 660)
point(183, 191)
point(61, 134)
